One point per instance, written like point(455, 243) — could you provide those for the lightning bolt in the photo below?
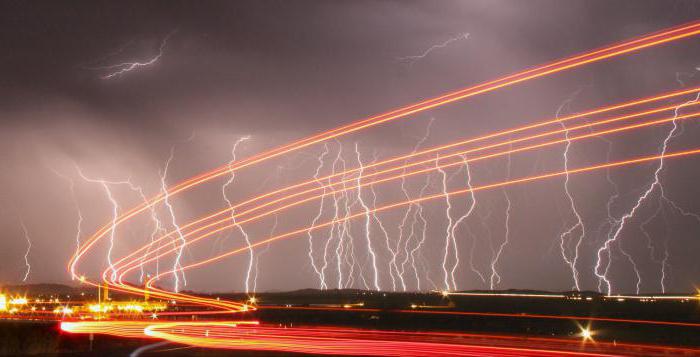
point(125, 67)
point(424, 228)
point(385, 233)
point(453, 231)
point(680, 75)
point(173, 221)
point(318, 216)
point(571, 262)
point(409, 209)
point(495, 278)
point(74, 199)
point(157, 225)
point(115, 213)
point(158, 229)
point(602, 275)
point(262, 252)
point(115, 208)
point(29, 248)
point(342, 227)
point(333, 228)
point(411, 60)
point(251, 255)
point(612, 222)
point(368, 219)
point(448, 229)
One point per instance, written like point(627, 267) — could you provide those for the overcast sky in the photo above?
point(282, 70)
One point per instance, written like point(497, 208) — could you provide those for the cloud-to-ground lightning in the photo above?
point(384, 231)
point(448, 229)
point(602, 274)
point(419, 216)
point(407, 213)
point(251, 254)
point(310, 254)
point(458, 222)
point(26, 253)
point(115, 213)
point(578, 227)
point(273, 230)
point(495, 278)
point(79, 224)
point(334, 229)
point(411, 60)
point(125, 67)
point(368, 221)
point(173, 221)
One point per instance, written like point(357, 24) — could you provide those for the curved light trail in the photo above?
point(251, 335)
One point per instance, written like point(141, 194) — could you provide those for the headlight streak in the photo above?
point(312, 340)
point(669, 155)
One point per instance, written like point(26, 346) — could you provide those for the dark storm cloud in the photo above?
point(280, 70)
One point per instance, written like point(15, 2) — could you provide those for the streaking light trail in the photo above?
point(604, 53)
point(340, 185)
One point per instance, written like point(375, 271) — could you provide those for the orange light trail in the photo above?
point(125, 268)
point(527, 179)
point(251, 335)
point(658, 38)
point(257, 199)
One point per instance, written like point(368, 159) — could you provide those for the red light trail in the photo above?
point(250, 335)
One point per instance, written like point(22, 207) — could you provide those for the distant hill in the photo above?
point(529, 291)
point(42, 289)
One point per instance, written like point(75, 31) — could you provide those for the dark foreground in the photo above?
point(527, 328)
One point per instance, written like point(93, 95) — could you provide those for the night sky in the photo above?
point(278, 71)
